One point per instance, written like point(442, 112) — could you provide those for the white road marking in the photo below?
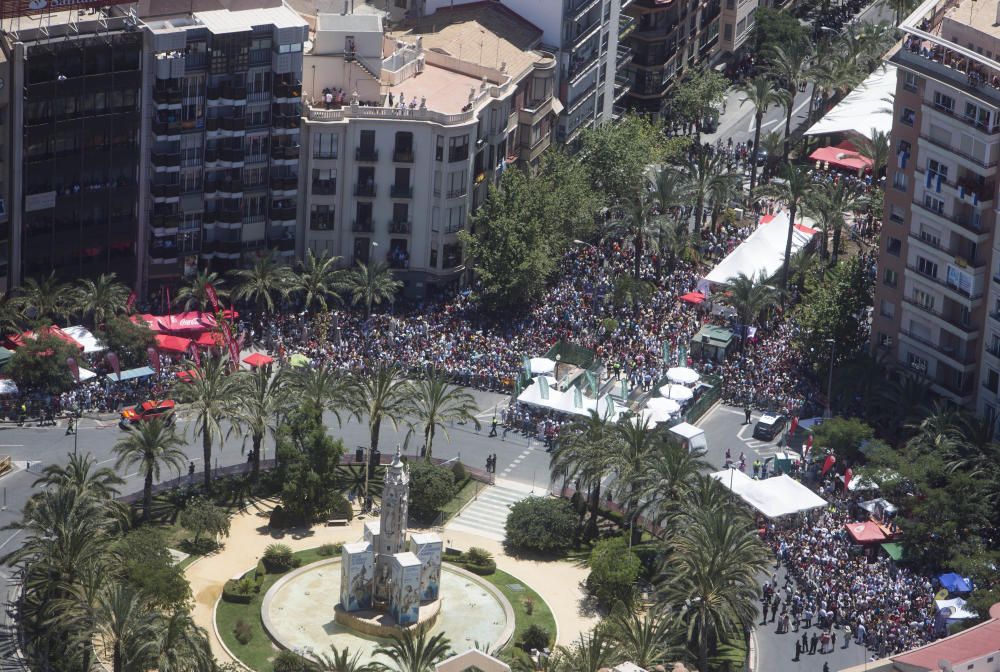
point(10, 538)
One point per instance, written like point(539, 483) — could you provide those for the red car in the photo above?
point(147, 411)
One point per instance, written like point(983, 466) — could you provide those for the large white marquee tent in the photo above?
point(866, 109)
point(774, 497)
point(763, 250)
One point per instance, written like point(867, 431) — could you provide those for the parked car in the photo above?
point(147, 411)
point(769, 426)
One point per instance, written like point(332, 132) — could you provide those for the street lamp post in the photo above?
point(828, 413)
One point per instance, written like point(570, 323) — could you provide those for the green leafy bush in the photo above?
point(278, 558)
point(286, 661)
point(458, 471)
point(431, 487)
point(535, 637)
point(243, 632)
point(341, 508)
point(542, 524)
point(479, 556)
point(614, 569)
point(330, 550)
point(238, 591)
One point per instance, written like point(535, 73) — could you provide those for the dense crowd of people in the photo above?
point(834, 588)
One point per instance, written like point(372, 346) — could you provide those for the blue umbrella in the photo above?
point(955, 583)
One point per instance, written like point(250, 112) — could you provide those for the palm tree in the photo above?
point(371, 284)
point(712, 576)
point(637, 226)
point(876, 149)
point(793, 191)
point(179, 644)
point(194, 295)
point(151, 445)
point(318, 280)
point(379, 393)
point(722, 191)
point(584, 455)
point(124, 627)
point(48, 299)
point(591, 652)
point(665, 480)
point(647, 640)
point(790, 64)
point(749, 297)
point(260, 399)
point(342, 661)
point(762, 94)
point(101, 299)
point(701, 174)
point(318, 389)
point(262, 283)
point(80, 475)
point(11, 314)
point(436, 403)
point(827, 204)
point(211, 394)
point(631, 290)
point(411, 652)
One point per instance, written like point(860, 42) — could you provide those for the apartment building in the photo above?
point(937, 298)
point(151, 139)
point(671, 36)
point(422, 121)
point(587, 38)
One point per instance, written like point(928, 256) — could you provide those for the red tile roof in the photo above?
point(976, 642)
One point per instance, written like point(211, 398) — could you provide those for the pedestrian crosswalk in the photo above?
point(486, 516)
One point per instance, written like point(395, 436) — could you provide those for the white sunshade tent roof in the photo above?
point(865, 109)
point(774, 497)
point(763, 250)
point(84, 337)
point(563, 402)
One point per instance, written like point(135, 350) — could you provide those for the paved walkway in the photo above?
point(558, 583)
point(486, 515)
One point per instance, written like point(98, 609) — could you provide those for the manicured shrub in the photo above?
point(458, 471)
point(614, 569)
point(543, 524)
point(278, 558)
point(478, 556)
point(330, 550)
point(431, 487)
point(243, 632)
point(238, 592)
point(535, 637)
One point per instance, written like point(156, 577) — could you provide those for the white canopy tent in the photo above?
point(677, 392)
point(763, 251)
point(866, 109)
point(774, 497)
point(682, 375)
point(565, 402)
point(957, 608)
point(84, 337)
point(541, 366)
point(691, 435)
point(86, 374)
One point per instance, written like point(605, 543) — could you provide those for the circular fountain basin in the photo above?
point(300, 612)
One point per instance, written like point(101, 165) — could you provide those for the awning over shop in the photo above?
point(845, 156)
point(865, 533)
point(131, 374)
point(170, 343)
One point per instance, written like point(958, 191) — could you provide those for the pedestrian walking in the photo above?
point(813, 641)
point(493, 427)
point(746, 412)
point(847, 636)
point(798, 651)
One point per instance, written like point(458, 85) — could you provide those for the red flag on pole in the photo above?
point(115, 364)
point(795, 425)
point(154, 359)
point(196, 354)
point(848, 475)
point(808, 448)
point(169, 312)
point(74, 367)
point(213, 296)
point(828, 464)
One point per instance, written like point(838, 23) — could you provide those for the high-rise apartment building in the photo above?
point(937, 297)
point(585, 37)
point(422, 120)
point(671, 36)
point(151, 139)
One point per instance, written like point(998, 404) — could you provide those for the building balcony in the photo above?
point(362, 226)
point(233, 124)
point(166, 160)
point(284, 183)
point(166, 128)
point(321, 222)
point(949, 323)
point(402, 155)
point(232, 154)
point(401, 191)
point(967, 223)
point(367, 154)
point(626, 25)
point(365, 190)
point(288, 93)
point(166, 190)
point(278, 213)
point(324, 187)
point(948, 147)
point(952, 291)
point(400, 226)
point(285, 153)
point(942, 349)
point(230, 188)
point(167, 96)
point(233, 93)
point(229, 216)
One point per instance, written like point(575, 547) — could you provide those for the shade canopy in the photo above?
point(86, 374)
point(5, 355)
point(192, 321)
point(865, 533)
point(258, 359)
point(763, 251)
point(956, 610)
point(955, 583)
point(541, 366)
point(84, 337)
point(845, 155)
point(677, 392)
point(682, 375)
point(17, 340)
point(774, 497)
point(865, 110)
point(693, 297)
point(894, 550)
point(7, 386)
point(170, 343)
point(187, 376)
point(132, 374)
point(298, 359)
point(209, 339)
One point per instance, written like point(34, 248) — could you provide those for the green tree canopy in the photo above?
point(127, 339)
point(773, 27)
point(614, 570)
point(145, 562)
point(843, 436)
point(308, 457)
point(39, 365)
point(541, 524)
point(697, 96)
point(431, 487)
point(618, 155)
point(202, 517)
point(831, 310)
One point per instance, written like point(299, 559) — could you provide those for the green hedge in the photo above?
point(484, 569)
point(233, 592)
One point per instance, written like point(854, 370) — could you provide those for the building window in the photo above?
point(934, 204)
point(324, 182)
point(910, 81)
point(884, 340)
point(896, 214)
point(457, 184)
point(927, 267)
point(894, 246)
point(434, 258)
point(899, 181)
point(977, 116)
point(930, 235)
point(937, 169)
point(321, 218)
point(456, 219)
point(887, 308)
point(917, 363)
point(325, 145)
point(944, 103)
point(458, 148)
point(889, 278)
point(439, 149)
point(908, 117)
point(923, 299)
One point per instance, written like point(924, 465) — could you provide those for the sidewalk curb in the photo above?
point(752, 651)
